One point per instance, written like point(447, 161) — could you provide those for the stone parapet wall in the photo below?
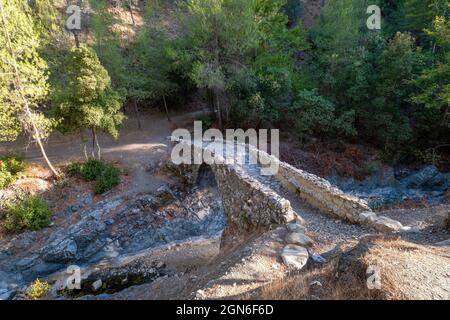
point(316, 191)
point(324, 196)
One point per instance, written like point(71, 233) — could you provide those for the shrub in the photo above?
point(38, 289)
point(105, 175)
point(109, 178)
point(32, 212)
point(10, 168)
point(5, 177)
point(89, 170)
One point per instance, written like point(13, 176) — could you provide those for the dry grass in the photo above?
point(298, 286)
point(407, 270)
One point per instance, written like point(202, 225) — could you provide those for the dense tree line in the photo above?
point(257, 63)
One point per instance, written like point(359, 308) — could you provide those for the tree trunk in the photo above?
point(131, 12)
point(219, 110)
point(136, 110)
point(85, 151)
point(165, 106)
point(95, 144)
point(24, 99)
point(77, 40)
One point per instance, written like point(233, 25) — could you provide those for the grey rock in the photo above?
point(88, 199)
point(7, 295)
point(385, 224)
point(299, 239)
point(367, 217)
point(27, 262)
point(97, 285)
point(421, 178)
point(296, 227)
point(318, 258)
point(295, 256)
point(75, 208)
point(60, 251)
point(445, 243)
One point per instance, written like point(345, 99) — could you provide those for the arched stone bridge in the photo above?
point(254, 202)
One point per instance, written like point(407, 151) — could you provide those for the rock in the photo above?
point(60, 251)
point(22, 243)
point(27, 263)
point(200, 294)
point(97, 285)
point(88, 199)
point(315, 283)
point(7, 295)
point(298, 219)
point(295, 256)
point(295, 227)
point(300, 239)
point(445, 243)
point(367, 217)
point(438, 183)
point(385, 224)
point(318, 258)
point(160, 265)
point(74, 208)
point(425, 176)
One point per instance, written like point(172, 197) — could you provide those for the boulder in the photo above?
point(428, 177)
point(300, 239)
point(296, 227)
point(367, 217)
point(295, 256)
point(385, 224)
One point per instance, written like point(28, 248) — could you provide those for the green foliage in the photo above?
point(313, 114)
point(394, 16)
point(420, 13)
point(27, 86)
point(30, 212)
point(294, 10)
point(88, 171)
point(433, 95)
point(398, 65)
point(150, 66)
point(107, 43)
point(361, 71)
point(11, 166)
point(109, 178)
point(86, 99)
point(105, 175)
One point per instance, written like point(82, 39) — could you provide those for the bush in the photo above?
point(38, 289)
point(32, 212)
point(109, 178)
point(5, 177)
point(10, 168)
point(314, 114)
point(89, 170)
point(105, 175)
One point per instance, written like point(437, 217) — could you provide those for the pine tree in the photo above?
point(23, 77)
point(87, 100)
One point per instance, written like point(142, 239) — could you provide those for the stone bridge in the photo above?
point(254, 203)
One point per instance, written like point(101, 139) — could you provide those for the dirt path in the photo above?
point(135, 150)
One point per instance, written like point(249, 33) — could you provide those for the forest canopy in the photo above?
point(257, 62)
